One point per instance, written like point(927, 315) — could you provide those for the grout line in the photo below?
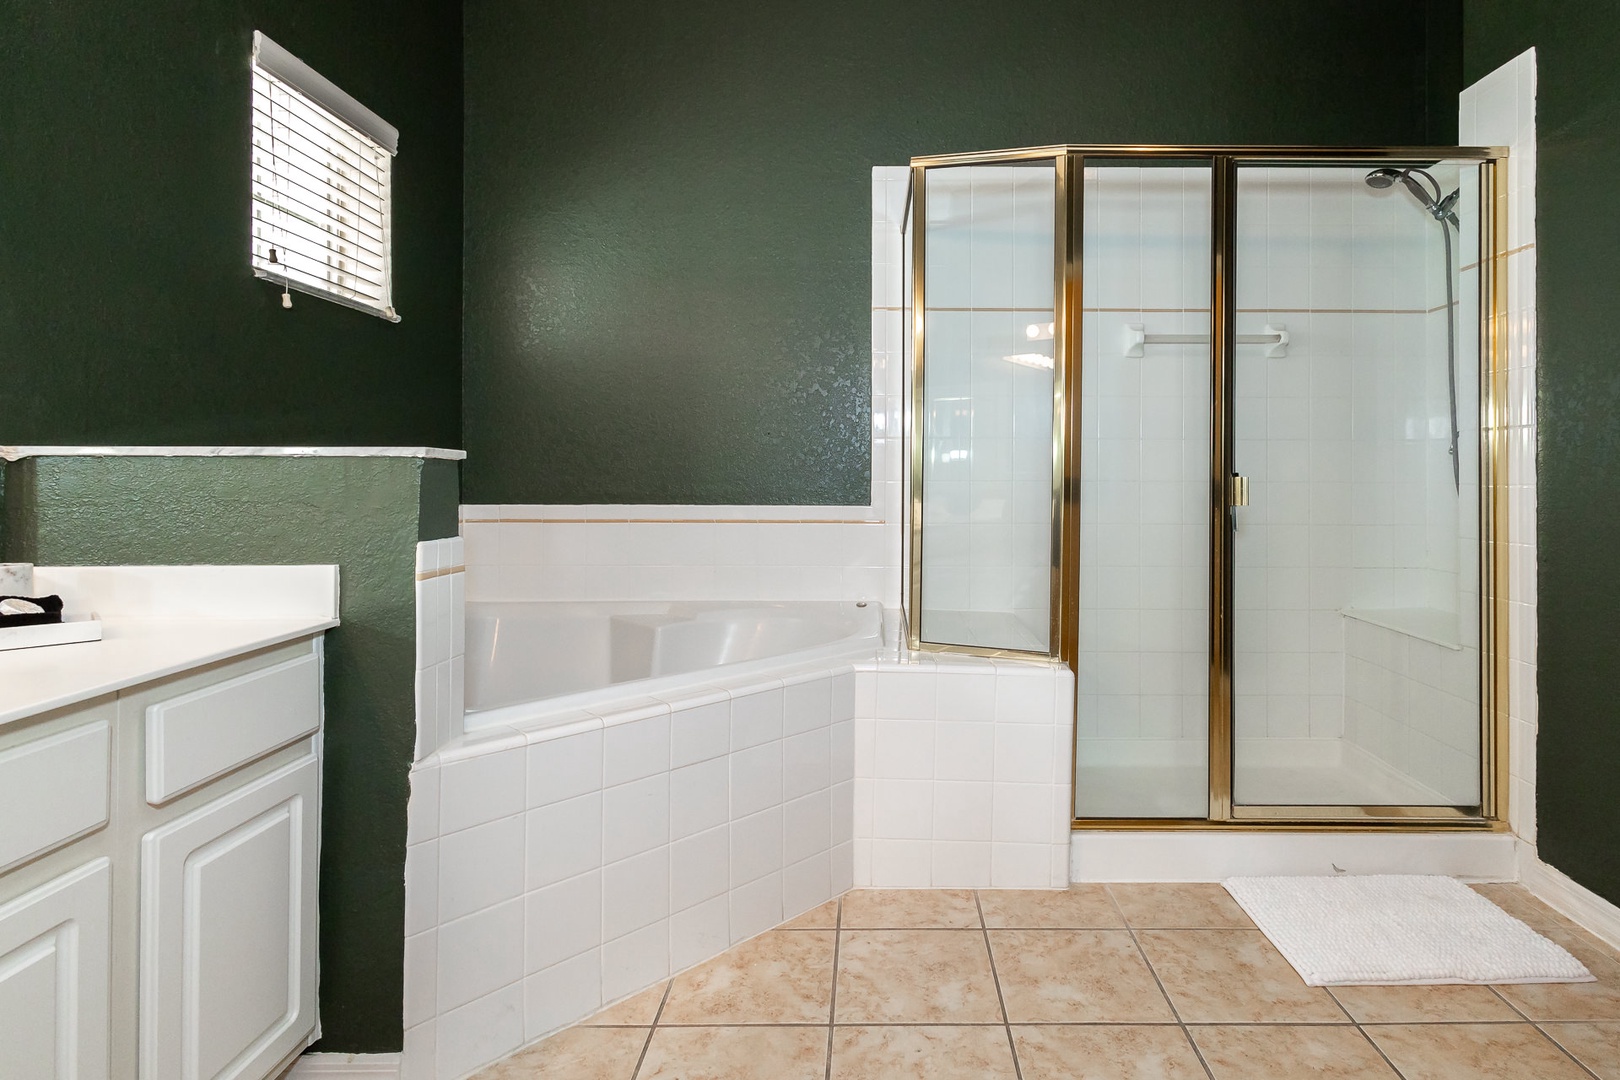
point(1579, 1064)
point(1362, 1031)
point(1537, 1024)
point(656, 1017)
point(832, 998)
point(1006, 1020)
point(1175, 1012)
point(1516, 1010)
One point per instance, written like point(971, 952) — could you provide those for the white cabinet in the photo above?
point(55, 962)
point(228, 924)
point(159, 875)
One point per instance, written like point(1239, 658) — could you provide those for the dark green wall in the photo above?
point(360, 513)
point(1577, 416)
point(128, 312)
point(668, 205)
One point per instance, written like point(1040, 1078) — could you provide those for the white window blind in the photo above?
point(320, 200)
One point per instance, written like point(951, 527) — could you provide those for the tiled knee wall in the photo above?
point(962, 774)
point(554, 871)
point(551, 872)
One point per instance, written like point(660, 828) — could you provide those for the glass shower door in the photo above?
point(1143, 658)
point(1355, 416)
point(984, 555)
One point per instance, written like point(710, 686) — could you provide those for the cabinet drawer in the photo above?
point(53, 789)
point(196, 737)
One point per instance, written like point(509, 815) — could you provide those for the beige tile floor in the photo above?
point(1119, 982)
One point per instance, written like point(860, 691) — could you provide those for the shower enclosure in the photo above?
point(1216, 426)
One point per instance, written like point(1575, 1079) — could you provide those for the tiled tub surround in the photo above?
point(441, 642)
point(558, 868)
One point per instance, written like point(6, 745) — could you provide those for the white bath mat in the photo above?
point(1398, 930)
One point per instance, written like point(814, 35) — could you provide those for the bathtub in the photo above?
point(527, 661)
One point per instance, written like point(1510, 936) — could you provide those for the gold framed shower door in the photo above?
point(1068, 162)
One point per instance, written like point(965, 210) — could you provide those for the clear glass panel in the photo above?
point(1356, 563)
point(1143, 668)
point(990, 251)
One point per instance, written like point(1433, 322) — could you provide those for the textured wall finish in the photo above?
point(1577, 401)
point(667, 205)
point(129, 313)
point(360, 513)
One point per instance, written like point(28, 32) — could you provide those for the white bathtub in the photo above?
point(529, 660)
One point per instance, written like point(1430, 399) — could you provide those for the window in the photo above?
point(321, 200)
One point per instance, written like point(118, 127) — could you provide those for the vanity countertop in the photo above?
point(156, 621)
point(132, 651)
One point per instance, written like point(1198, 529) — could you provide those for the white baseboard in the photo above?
point(1214, 856)
point(1567, 897)
point(345, 1067)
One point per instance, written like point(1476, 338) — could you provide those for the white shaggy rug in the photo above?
point(1398, 930)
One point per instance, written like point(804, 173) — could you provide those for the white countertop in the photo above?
point(159, 620)
point(133, 651)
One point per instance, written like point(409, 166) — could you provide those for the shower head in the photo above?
point(1439, 208)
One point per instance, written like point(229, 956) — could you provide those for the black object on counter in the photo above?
point(51, 614)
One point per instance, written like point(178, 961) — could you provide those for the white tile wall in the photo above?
point(554, 871)
point(1500, 110)
point(441, 642)
point(1414, 704)
point(962, 774)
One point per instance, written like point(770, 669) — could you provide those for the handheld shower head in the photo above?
point(1439, 208)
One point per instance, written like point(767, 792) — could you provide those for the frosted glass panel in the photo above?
point(986, 407)
point(1356, 563)
point(1143, 665)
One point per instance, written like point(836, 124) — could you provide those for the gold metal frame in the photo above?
point(1068, 163)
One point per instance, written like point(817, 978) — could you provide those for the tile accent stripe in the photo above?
point(424, 575)
point(1508, 254)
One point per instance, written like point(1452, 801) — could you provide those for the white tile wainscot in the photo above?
point(553, 871)
point(441, 642)
point(962, 773)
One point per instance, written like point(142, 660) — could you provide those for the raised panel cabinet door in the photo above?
point(54, 984)
point(228, 932)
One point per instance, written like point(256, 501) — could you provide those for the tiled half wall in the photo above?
point(552, 871)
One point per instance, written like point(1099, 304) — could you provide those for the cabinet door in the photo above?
point(54, 978)
point(228, 932)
